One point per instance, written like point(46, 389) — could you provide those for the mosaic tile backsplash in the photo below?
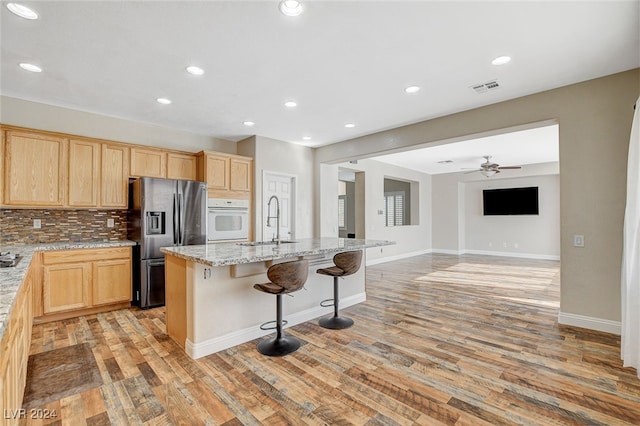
point(16, 226)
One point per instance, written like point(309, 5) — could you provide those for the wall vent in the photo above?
point(486, 87)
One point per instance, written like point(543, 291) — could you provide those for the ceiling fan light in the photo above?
point(488, 173)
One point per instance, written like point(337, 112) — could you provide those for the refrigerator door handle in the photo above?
point(180, 224)
point(175, 211)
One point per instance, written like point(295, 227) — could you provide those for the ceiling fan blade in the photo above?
point(509, 167)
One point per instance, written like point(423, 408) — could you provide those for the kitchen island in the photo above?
point(211, 304)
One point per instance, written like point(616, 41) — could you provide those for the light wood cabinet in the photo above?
point(35, 168)
point(227, 176)
point(216, 171)
point(66, 286)
point(75, 280)
point(148, 162)
point(14, 352)
point(114, 180)
point(240, 174)
point(111, 281)
point(181, 166)
point(84, 173)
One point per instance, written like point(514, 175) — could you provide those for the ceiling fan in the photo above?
point(489, 169)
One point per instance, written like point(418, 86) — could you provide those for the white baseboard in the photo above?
point(216, 344)
point(514, 254)
point(598, 324)
point(447, 251)
point(396, 257)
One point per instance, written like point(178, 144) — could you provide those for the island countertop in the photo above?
point(237, 253)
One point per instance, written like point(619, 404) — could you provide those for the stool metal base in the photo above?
point(336, 323)
point(279, 346)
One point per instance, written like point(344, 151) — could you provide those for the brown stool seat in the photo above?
point(346, 263)
point(284, 278)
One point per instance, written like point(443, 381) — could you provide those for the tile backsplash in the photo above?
point(16, 226)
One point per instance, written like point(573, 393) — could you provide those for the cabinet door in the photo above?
point(111, 281)
point(181, 166)
point(66, 287)
point(148, 162)
point(114, 181)
point(240, 175)
point(217, 172)
point(84, 173)
point(35, 169)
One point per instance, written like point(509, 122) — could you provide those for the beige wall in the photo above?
point(18, 112)
point(272, 155)
point(595, 121)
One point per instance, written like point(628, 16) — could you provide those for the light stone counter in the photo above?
point(211, 304)
point(239, 253)
point(11, 278)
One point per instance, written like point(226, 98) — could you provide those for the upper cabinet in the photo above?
point(158, 163)
point(115, 176)
point(181, 166)
point(45, 169)
point(240, 170)
point(84, 173)
point(227, 176)
point(148, 162)
point(35, 168)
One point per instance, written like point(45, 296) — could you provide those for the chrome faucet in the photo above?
point(276, 238)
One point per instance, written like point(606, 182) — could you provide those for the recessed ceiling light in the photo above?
point(501, 60)
point(290, 7)
point(290, 104)
point(163, 101)
point(30, 67)
point(412, 89)
point(22, 11)
point(306, 138)
point(248, 123)
point(349, 125)
point(192, 69)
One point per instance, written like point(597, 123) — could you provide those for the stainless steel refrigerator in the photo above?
point(162, 213)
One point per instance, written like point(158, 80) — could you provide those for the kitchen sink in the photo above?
point(264, 243)
point(9, 260)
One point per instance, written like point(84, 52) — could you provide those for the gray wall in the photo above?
point(594, 120)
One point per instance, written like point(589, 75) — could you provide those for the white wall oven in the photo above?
point(227, 220)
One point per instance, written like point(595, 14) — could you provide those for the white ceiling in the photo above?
point(539, 145)
point(342, 61)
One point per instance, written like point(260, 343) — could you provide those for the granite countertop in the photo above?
point(11, 278)
point(237, 253)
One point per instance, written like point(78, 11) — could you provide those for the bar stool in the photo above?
point(284, 278)
point(346, 263)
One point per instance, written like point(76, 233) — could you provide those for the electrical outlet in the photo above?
point(110, 223)
point(37, 223)
point(578, 240)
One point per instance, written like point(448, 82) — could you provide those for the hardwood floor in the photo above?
point(441, 339)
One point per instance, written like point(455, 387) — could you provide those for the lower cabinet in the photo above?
point(14, 352)
point(80, 279)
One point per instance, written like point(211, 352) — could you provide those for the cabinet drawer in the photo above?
point(85, 255)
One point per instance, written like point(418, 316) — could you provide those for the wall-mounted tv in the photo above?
point(510, 201)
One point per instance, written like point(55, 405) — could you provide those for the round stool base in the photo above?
point(279, 347)
point(336, 323)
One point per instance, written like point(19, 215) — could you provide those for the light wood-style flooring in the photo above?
point(456, 340)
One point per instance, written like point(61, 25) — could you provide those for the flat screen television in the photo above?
point(510, 201)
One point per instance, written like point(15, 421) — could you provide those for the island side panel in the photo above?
point(227, 310)
point(176, 298)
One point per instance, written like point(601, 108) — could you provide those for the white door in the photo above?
point(282, 186)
